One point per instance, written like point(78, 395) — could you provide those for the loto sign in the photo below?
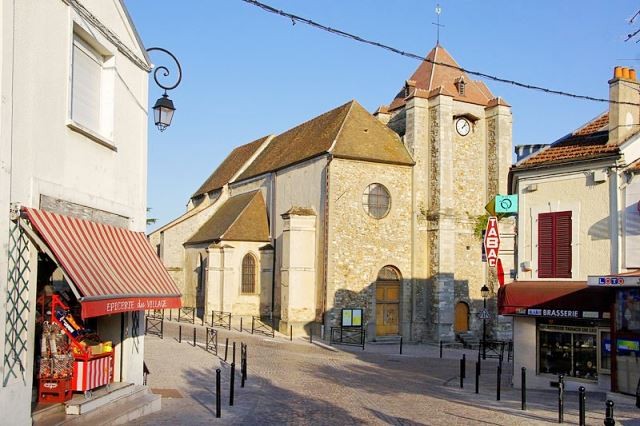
point(492, 241)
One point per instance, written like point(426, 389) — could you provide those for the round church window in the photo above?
point(376, 200)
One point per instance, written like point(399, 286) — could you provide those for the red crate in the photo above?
point(54, 390)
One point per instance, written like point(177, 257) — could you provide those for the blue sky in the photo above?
point(248, 73)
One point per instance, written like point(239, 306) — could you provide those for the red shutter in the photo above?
point(554, 245)
point(562, 244)
point(545, 245)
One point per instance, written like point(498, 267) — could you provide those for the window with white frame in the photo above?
point(91, 97)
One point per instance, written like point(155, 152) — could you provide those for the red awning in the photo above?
point(110, 269)
point(519, 297)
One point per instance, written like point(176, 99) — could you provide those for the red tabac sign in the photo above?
point(492, 241)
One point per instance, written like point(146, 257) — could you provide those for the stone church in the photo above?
point(354, 210)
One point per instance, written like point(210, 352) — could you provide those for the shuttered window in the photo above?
point(554, 245)
point(86, 85)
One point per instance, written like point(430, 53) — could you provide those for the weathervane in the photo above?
point(437, 24)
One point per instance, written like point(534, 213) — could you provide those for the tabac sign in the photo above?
point(492, 241)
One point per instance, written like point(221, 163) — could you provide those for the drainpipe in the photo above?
point(614, 224)
point(273, 243)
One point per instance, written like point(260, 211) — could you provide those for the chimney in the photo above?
point(624, 119)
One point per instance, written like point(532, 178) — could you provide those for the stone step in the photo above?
point(120, 412)
point(386, 340)
point(101, 397)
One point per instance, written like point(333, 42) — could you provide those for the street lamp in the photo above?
point(163, 109)
point(484, 291)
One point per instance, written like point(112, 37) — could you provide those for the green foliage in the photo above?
point(150, 220)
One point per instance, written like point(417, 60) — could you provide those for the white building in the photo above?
point(73, 141)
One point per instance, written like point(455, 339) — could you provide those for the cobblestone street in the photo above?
point(302, 383)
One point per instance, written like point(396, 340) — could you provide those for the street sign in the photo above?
point(491, 206)
point(484, 314)
point(492, 241)
point(506, 204)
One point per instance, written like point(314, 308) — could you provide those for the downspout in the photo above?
point(614, 225)
point(273, 243)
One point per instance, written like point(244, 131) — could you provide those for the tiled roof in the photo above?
point(229, 167)
point(587, 142)
point(634, 167)
point(429, 76)
point(240, 218)
point(348, 131)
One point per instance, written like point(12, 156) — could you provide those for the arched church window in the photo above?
point(388, 273)
point(249, 274)
point(376, 200)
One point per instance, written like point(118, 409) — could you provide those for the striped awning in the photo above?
point(110, 269)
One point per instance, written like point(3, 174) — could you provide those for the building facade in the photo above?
point(577, 222)
point(73, 142)
point(360, 211)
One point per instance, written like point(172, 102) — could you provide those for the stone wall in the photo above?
point(359, 245)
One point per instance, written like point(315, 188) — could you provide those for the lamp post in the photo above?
point(484, 291)
point(163, 109)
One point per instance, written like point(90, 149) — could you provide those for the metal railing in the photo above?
point(496, 349)
point(154, 326)
point(221, 319)
point(187, 314)
point(260, 326)
point(211, 341)
point(353, 336)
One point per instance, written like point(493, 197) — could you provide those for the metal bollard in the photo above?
point(217, 392)
point(311, 334)
point(560, 398)
point(212, 318)
point(440, 349)
point(240, 324)
point(253, 323)
point(582, 399)
point(477, 376)
point(194, 337)
point(464, 366)
point(233, 361)
point(232, 382)
point(242, 361)
point(524, 388)
point(479, 358)
point(291, 333)
point(499, 382)
point(400, 345)
point(179, 334)
point(226, 349)
point(461, 373)
point(608, 420)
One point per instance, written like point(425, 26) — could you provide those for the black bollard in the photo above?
point(233, 361)
point(291, 333)
point(524, 388)
point(311, 334)
point(179, 334)
point(582, 399)
point(242, 361)
point(245, 362)
point(608, 420)
point(194, 336)
point(240, 324)
point(440, 349)
point(400, 345)
point(479, 359)
point(217, 392)
point(477, 376)
point(461, 373)
point(464, 365)
point(226, 349)
point(560, 398)
point(253, 324)
point(498, 383)
point(212, 312)
point(232, 382)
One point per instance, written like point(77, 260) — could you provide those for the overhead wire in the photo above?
point(296, 18)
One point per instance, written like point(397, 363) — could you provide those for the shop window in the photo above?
point(628, 310)
point(249, 274)
point(568, 350)
point(554, 245)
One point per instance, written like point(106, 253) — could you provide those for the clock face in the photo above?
point(463, 127)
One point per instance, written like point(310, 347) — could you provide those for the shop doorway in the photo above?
point(388, 302)
point(461, 323)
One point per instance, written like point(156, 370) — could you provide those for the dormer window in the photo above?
point(460, 85)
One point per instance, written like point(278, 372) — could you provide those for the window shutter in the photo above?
point(545, 245)
point(563, 244)
point(86, 86)
point(554, 245)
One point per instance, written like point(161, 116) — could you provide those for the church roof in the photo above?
point(229, 167)
point(590, 141)
point(240, 218)
point(348, 131)
point(441, 72)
